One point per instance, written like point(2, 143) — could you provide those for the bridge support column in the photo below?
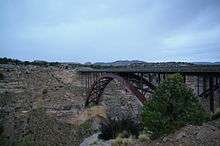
point(204, 83)
point(158, 78)
point(211, 96)
point(142, 86)
point(184, 78)
point(218, 91)
point(164, 76)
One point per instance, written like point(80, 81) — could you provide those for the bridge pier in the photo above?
point(211, 96)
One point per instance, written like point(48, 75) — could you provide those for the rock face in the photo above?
point(96, 113)
point(121, 104)
point(25, 87)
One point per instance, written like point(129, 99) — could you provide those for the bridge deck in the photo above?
point(210, 69)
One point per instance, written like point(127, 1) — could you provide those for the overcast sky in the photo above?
point(109, 30)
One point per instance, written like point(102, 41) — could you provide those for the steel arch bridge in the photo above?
point(135, 84)
point(204, 79)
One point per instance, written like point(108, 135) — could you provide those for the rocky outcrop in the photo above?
point(191, 135)
point(96, 113)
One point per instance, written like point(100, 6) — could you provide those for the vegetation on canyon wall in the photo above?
point(43, 130)
point(173, 105)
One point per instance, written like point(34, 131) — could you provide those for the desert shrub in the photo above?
point(124, 128)
point(44, 91)
point(144, 137)
point(4, 141)
point(26, 141)
point(173, 105)
point(6, 102)
point(122, 141)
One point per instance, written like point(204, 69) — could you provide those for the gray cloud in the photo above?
point(83, 30)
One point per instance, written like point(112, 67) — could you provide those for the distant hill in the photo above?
point(206, 63)
point(135, 63)
point(120, 63)
point(143, 63)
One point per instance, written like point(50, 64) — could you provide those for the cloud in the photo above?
point(83, 30)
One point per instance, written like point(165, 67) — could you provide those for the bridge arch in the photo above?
point(98, 87)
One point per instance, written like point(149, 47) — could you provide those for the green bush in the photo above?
point(173, 105)
point(124, 128)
